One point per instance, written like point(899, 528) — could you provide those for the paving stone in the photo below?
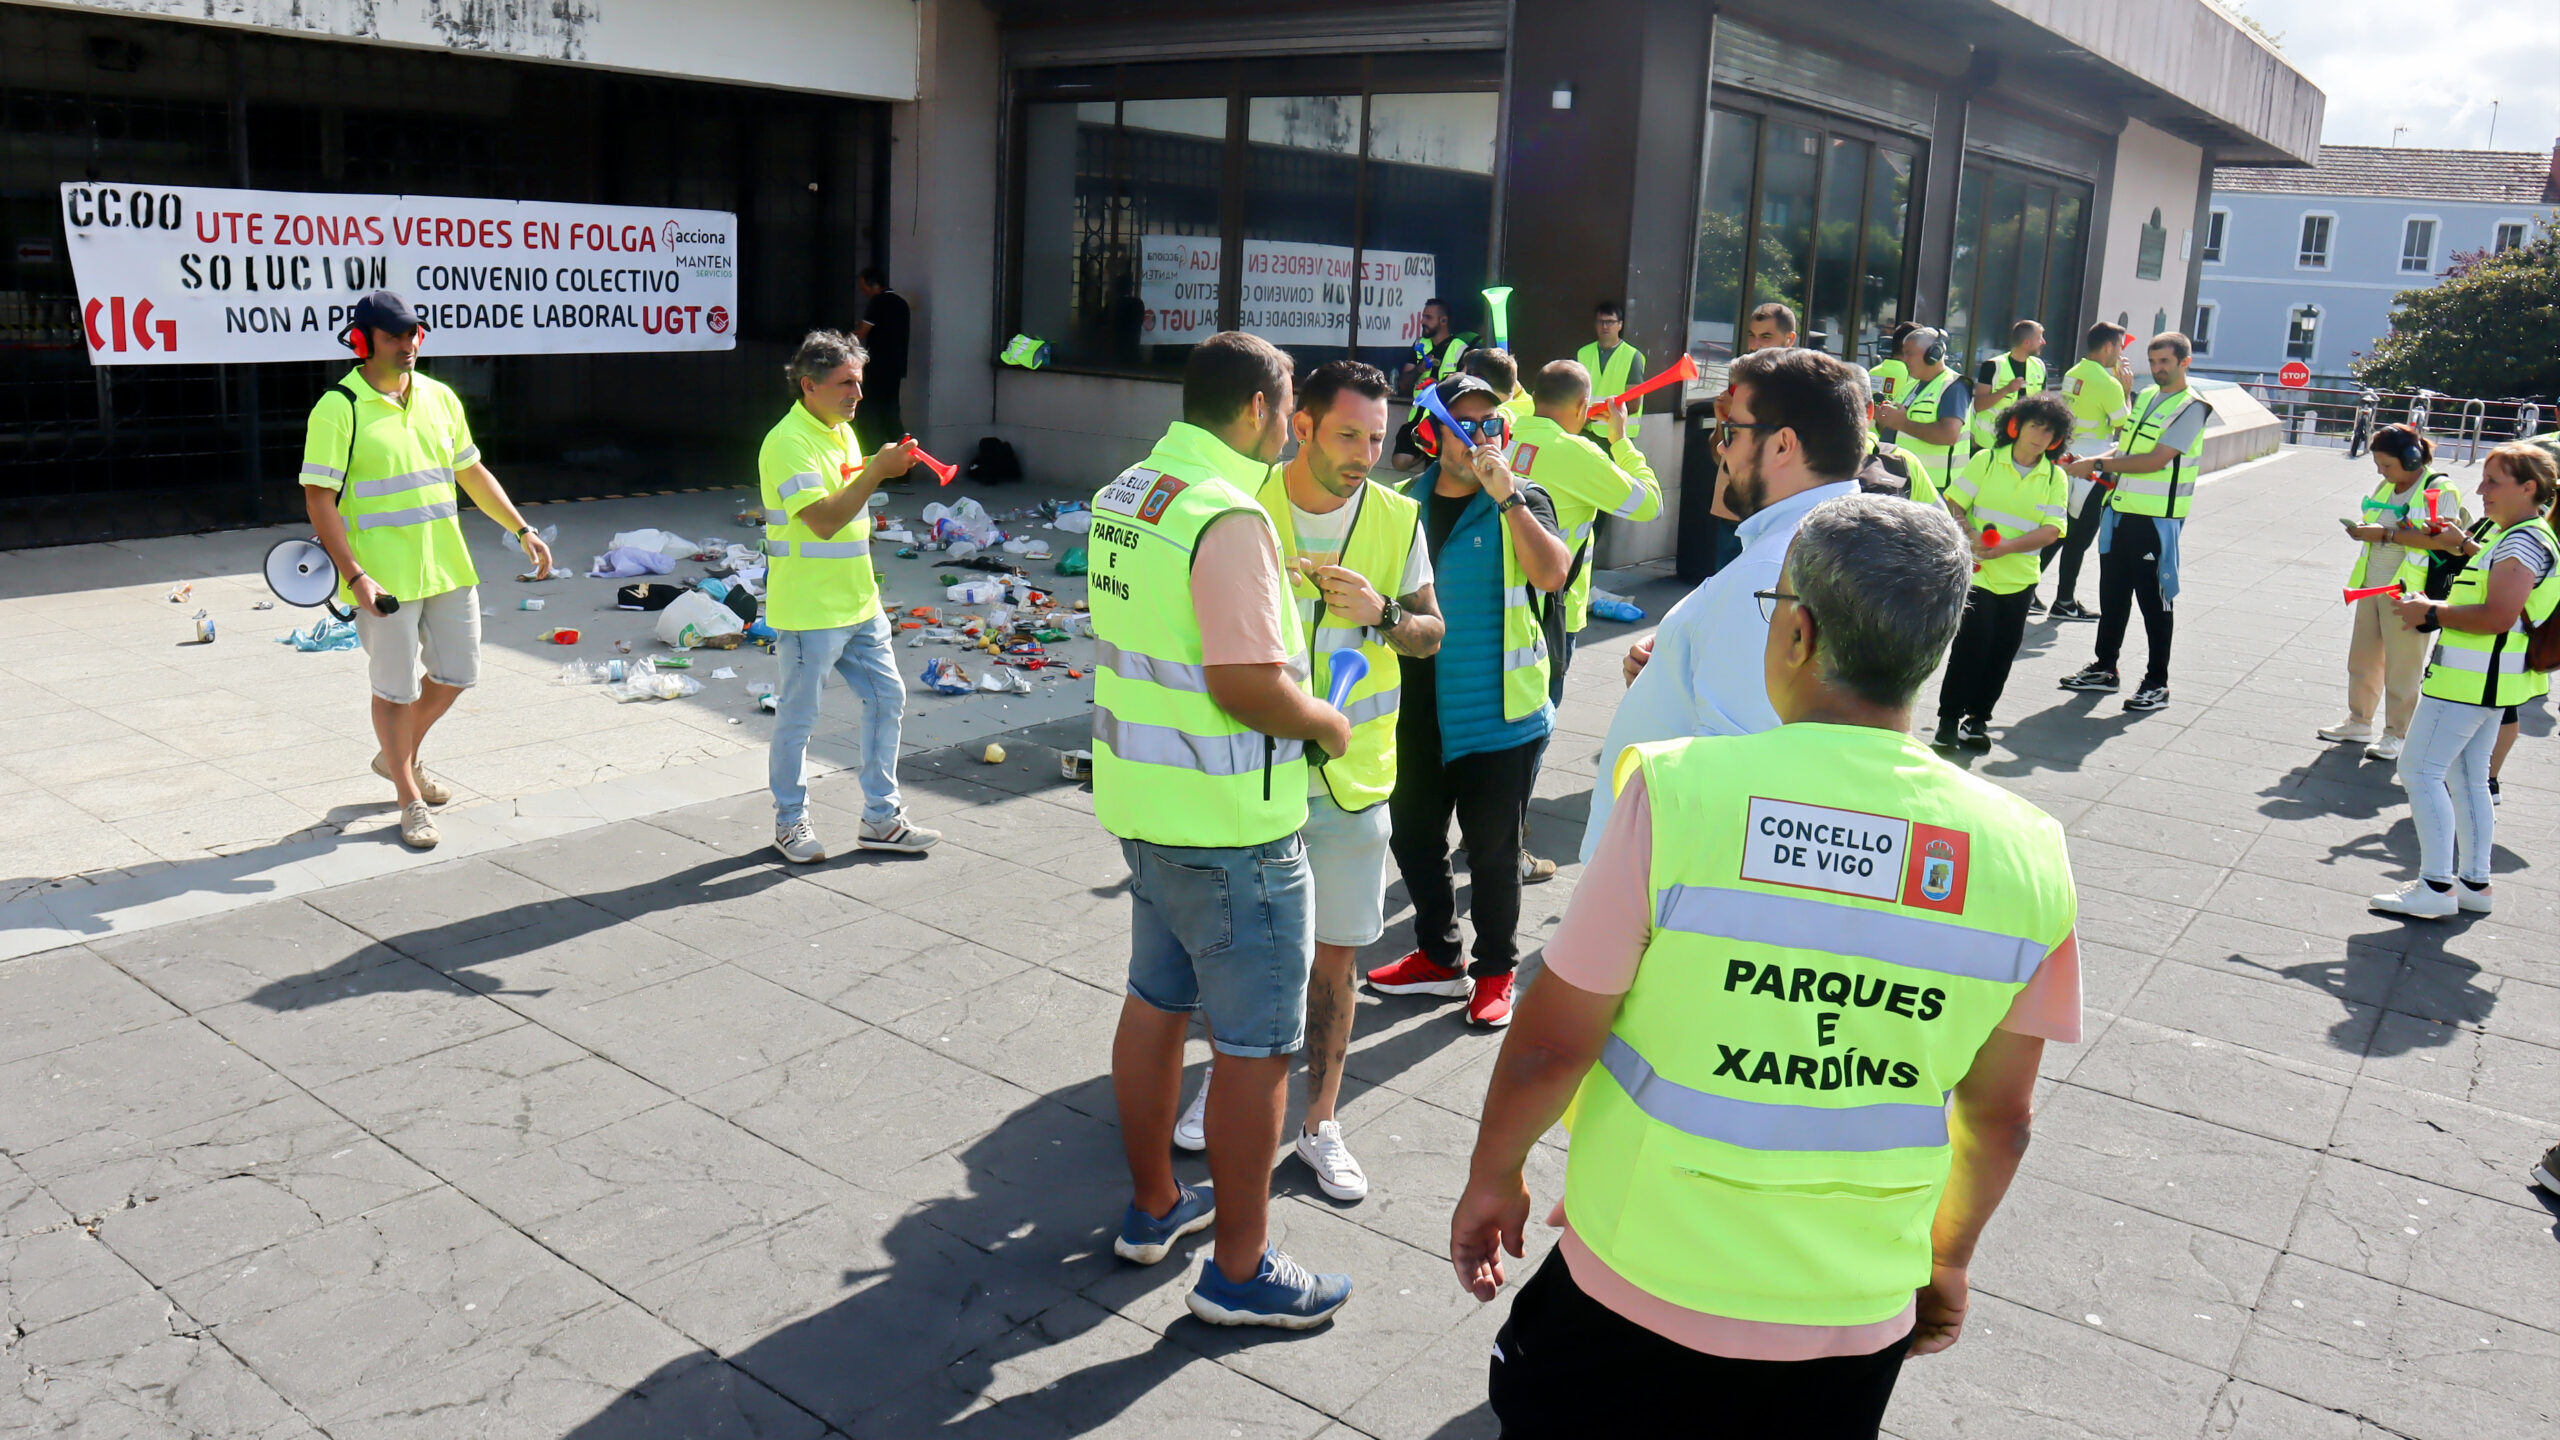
point(2493, 1255)
point(2109, 976)
point(575, 956)
point(338, 1317)
point(413, 911)
point(375, 1017)
point(598, 866)
point(2177, 1288)
point(2253, 1412)
point(650, 1194)
point(2296, 1021)
point(2213, 1080)
point(1440, 1394)
point(1041, 1030)
point(60, 1274)
point(2415, 1366)
point(2505, 1074)
point(245, 954)
point(2017, 1371)
point(738, 913)
point(187, 1222)
point(2446, 1141)
point(2170, 1164)
point(880, 968)
point(2193, 839)
point(702, 1028)
point(1417, 1155)
point(866, 1106)
point(140, 1368)
point(470, 1106)
point(69, 997)
point(127, 1088)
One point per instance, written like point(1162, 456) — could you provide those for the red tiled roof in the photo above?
point(2512, 177)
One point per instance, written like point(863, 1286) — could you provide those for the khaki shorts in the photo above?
point(440, 634)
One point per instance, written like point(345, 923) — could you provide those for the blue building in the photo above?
point(2305, 264)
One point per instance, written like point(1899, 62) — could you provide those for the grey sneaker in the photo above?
point(896, 834)
point(798, 843)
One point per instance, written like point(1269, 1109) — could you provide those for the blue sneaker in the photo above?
point(1281, 1293)
point(1146, 1239)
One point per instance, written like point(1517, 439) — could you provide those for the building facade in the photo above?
point(2306, 264)
point(1124, 177)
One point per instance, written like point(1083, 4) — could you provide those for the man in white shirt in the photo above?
point(1793, 436)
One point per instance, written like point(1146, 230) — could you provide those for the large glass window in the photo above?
point(1806, 211)
point(2418, 246)
point(1319, 218)
point(2018, 253)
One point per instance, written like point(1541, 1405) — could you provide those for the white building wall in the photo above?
point(945, 192)
point(2158, 172)
point(863, 48)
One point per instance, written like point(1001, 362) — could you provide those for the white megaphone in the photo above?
point(301, 574)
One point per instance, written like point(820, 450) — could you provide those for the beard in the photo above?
point(1744, 495)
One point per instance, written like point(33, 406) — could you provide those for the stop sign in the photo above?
point(2294, 376)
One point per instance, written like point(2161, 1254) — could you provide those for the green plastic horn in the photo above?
point(1497, 301)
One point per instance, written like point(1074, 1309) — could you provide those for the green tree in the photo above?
point(2490, 329)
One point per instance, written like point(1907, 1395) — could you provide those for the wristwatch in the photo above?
point(1390, 615)
point(1515, 502)
point(523, 530)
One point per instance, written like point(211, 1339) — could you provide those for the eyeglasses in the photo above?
point(1769, 603)
point(1725, 429)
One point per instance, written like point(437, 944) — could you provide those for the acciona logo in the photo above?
point(674, 236)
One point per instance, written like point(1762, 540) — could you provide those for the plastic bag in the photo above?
point(1075, 522)
point(1609, 605)
point(664, 542)
point(945, 677)
point(1073, 562)
point(579, 672)
point(693, 617)
point(964, 520)
point(975, 592)
point(324, 634)
point(647, 682)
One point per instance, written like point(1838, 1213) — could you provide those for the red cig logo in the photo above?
point(140, 326)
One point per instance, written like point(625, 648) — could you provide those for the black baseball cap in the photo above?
point(1463, 384)
point(384, 311)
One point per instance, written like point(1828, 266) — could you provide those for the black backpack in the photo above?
point(995, 463)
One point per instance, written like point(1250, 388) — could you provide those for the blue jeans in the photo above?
point(2444, 765)
point(1228, 932)
point(861, 654)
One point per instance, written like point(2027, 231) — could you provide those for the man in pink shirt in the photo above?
point(1850, 1210)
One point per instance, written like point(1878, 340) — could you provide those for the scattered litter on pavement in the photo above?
point(180, 593)
point(532, 603)
point(580, 672)
point(945, 677)
point(1609, 605)
point(624, 561)
point(1028, 549)
point(994, 754)
point(264, 605)
point(725, 672)
point(1075, 764)
point(664, 542)
point(324, 634)
point(561, 636)
point(1073, 562)
point(696, 618)
point(204, 629)
point(645, 681)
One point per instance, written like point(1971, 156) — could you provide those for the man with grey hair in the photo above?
point(1814, 967)
point(823, 600)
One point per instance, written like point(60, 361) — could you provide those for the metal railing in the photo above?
point(2345, 417)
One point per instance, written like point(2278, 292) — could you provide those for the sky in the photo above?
point(2431, 65)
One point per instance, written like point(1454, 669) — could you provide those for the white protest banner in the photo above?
point(1293, 293)
point(182, 274)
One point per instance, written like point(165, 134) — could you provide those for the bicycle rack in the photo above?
point(2475, 419)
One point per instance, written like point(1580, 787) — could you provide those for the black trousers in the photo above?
point(1566, 1367)
point(880, 419)
point(1986, 645)
point(2129, 576)
point(1488, 793)
point(2072, 546)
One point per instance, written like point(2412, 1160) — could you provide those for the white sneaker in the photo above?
point(1191, 1132)
point(798, 843)
point(2386, 748)
point(897, 835)
point(2349, 731)
point(1337, 1174)
point(2477, 902)
point(2419, 900)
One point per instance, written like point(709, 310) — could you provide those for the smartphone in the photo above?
point(2349, 524)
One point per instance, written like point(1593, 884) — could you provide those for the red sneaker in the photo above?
point(1491, 1003)
point(1415, 974)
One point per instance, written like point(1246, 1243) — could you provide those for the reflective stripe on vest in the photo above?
point(382, 519)
point(816, 549)
point(1939, 461)
point(2381, 509)
point(399, 484)
point(1238, 754)
point(1757, 1126)
point(1172, 674)
point(1759, 918)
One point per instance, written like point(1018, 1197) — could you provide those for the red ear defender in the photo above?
point(359, 342)
point(1426, 437)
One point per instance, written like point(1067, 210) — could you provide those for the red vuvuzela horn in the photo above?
point(1686, 368)
point(948, 473)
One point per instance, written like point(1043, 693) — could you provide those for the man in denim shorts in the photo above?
point(1200, 726)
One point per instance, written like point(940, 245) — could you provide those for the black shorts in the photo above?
point(1566, 1366)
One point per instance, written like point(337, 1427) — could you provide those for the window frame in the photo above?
point(2217, 234)
point(2328, 241)
point(2058, 182)
point(2524, 235)
point(1769, 109)
point(2208, 315)
point(1238, 80)
point(2292, 317)
point(2435, 237)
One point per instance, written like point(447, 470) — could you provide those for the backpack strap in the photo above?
point(347, 477)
